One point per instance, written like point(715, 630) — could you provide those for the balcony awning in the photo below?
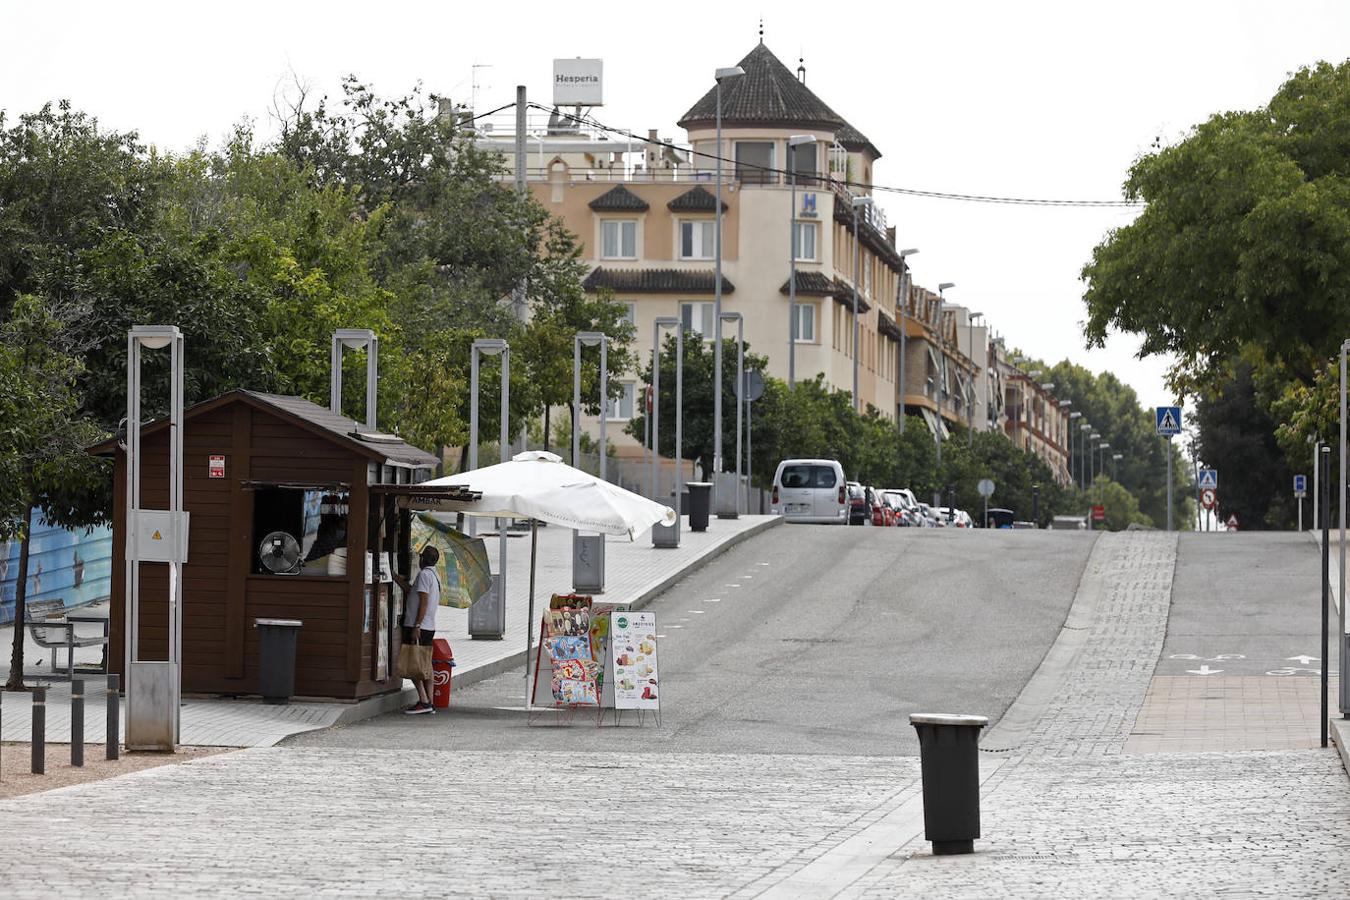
point(935, 425)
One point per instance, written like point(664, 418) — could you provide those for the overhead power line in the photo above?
point(883, 188)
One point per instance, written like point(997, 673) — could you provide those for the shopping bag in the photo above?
point(414, 661)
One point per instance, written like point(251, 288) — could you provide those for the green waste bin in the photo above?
point(950, 758)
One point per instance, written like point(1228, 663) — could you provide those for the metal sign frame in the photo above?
point(490, 622)
point(355, 338)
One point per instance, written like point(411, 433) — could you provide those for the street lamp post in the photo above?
point(857, 275)
point(793, 143)
point(900, 320)
point(722, 74)
point(588, 551)
point(970, 407)
point(942, 384)
point(154, 687)
point(1071, 429)
point(733, 510)
point(487, 617)
point(667, 535)
point(1115, 458)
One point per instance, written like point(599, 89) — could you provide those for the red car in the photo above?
point(882, 513)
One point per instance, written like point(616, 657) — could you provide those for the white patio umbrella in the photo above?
point(539, 486)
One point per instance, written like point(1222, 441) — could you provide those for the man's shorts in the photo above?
point(427, 636)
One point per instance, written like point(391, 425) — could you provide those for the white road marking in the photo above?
point(1204, 670)
point(677, 626)
point(731, 585)
point(713, 600)
point(1303, 660)
point(698, 612)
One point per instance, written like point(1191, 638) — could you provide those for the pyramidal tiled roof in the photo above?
point(767, 94)
point(696, 199)
point(619, 199)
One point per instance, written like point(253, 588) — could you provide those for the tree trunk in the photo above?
point(15, 682)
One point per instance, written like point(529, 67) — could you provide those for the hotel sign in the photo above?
point(808, 210)
point(578, 82)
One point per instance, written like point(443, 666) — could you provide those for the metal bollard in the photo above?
point(77, 722)
point(114, 710)
point(39, 731)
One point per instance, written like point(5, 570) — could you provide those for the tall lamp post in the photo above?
point(900, 320)
point(588, 550)
point(1115, 458)
point(942, 382)
point(793, 143)
point(667, 535)
point(732, 510)
point(487, 617)
point(1073, 415)
point(721, 75)
point(970, 407)
point(857, 203)
point(1085, 429)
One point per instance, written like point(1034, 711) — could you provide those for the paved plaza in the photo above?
point(635, 573)
point(1069, 809)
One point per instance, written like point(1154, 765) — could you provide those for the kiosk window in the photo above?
point(316, 520)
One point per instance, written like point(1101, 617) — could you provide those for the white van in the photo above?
point(810, 490)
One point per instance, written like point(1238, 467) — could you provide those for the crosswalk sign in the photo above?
point(1168, 420)
point(1209, 478)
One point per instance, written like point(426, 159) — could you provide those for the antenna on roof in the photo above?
point(801, 69)
point(761, 29)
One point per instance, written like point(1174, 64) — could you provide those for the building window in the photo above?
point(618, 239)
point(754, 162)
point(698, 317)
point(622, 408)
point(804, 241)
point(867, 275)
point(697, 240)
point(804, 325)
point(630, 312)
point(803, 163)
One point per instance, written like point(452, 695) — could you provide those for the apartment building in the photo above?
point(1036, 421)
point(645, 214)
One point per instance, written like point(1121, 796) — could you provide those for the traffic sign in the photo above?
point(1168, 420)
point(1300, 485)
point(1232, 522)
point(985, 487)
point(1099, 513)
point(1208, 498)
point(1209, 478)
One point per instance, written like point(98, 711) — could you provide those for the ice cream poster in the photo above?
point(632, 645)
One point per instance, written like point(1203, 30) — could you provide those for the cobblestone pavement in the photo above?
point(1066, 814)
point(1072, 815)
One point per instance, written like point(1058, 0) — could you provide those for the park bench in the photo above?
point(52, 629)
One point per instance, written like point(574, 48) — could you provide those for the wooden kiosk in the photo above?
point(260, 464)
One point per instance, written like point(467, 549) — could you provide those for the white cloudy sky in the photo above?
point(1033, 99)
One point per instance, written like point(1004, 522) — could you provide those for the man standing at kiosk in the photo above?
point(419, 628)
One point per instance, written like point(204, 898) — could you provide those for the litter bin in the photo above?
point(276, 651)
point(442, 661)
point(950, 758)
point(700, 504)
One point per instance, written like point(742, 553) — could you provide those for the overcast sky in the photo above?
point(1049, 100)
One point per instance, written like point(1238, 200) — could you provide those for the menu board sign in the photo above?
point(633, 648)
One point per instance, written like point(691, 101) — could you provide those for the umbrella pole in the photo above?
point(529, 622)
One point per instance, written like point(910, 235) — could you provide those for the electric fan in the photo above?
point(279, 553)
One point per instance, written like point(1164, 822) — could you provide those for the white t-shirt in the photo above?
point(426, 583)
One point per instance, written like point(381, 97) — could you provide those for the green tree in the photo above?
point(1244, 242)
point(42, 455)
point(1237, 437)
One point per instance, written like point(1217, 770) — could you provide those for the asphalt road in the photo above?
point(806, 639)
point(1244, 604)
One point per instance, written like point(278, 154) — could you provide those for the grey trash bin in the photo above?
point(950, 758)
point(700, 504)
point(276, 652)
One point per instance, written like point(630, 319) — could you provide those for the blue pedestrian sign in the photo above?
point(1209, 478)
point(1168, 420)
point(1300, 485)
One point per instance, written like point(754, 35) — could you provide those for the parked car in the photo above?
point(1000, 518)
point(895, 501)
point(882, 514)
point(930, 518)
point(910, 505)
point(810, 490)
point(859, 508)
point(953, 518)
